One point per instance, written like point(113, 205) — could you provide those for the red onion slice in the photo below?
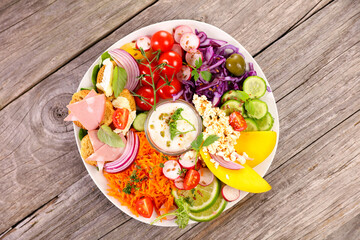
point(226, 164)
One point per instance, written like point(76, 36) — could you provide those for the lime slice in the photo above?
point(200, 197)
point(209, 214)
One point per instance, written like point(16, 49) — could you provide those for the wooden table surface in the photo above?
point(310, 52)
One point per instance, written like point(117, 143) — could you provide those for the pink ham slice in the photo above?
point(95, 142)
point(106, 153)
point(71, 116)
point(89, 111)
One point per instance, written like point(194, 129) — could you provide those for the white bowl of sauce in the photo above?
point(166, 138)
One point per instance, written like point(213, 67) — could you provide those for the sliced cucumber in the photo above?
point(213, 212)
point(265, 123)
point(254, 86)
point(139, 122)
point(256, 108)
point(202, 197)
point(233, 106)
point(251, 125)
point(234, 95)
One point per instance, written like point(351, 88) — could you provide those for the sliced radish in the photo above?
point(172, 209)
point(184, 74)
point(177, 48)
point(189, 41)
point(179, 183)
point(192, 57)
point(188, 160)
point(206, 177)
point(144, 43)
point(229, 193)
point(180, 30)
point(172, 169)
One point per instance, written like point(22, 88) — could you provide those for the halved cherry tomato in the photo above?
point(192, 179)
point(162, 40)
point(174, 61)
point(147, 93)
point(120, 118)
point(167, 91)
point(144, 69)
point(237, 121)
point(144, 207)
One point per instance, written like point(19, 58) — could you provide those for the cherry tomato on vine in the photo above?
point(167, 91)
point(162, 40)
point(237, 121)
point(172, 59)
point(144, 69)
point(192, 179)
point(147, 93)
point(144, 207)
point(120, 118)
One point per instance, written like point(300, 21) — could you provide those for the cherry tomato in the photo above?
point(162, 40)
point(192, 179)
point(174, 60)
point(144, 69)
point(147, 93)
point(167, 91)
point(120, 118)
point(144, 207)
point(237, 121)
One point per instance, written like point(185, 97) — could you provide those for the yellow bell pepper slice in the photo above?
point(257, 145)
point(131, 48)
point(245, 179)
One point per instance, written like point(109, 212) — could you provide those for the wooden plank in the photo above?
point(45, 104)
point(349, 230)
point(313, 193)
point(39, 43)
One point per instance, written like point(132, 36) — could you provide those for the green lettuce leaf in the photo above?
point(107, 136)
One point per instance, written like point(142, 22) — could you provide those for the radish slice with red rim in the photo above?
point(144, 43)
point(189, 41)
point(230, 194)
point(180, 30)
point(179, 183)
point(192, 57)
point(188, 160)
point(173, 208)
point(177, 48)
point(184, 74)
point(206, 177)
point(171, 169)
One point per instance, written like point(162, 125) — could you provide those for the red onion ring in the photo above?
point(226, 164)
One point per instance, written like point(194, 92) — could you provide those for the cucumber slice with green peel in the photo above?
point(201, 197)
point(254, 86)
point(256, 108)
point(213, 212)
point(234, 95)
point(233, 106)
point(265, 123)
point(139, 122)
point(251, 125)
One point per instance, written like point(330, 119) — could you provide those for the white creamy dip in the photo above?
point(159, 130)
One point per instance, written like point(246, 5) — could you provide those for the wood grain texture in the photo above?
point(38, 142)
point(34, 152)
point(42, 36)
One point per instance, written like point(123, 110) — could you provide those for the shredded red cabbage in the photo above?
point(215, 53)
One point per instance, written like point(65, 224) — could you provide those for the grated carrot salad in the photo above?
point(152, 182)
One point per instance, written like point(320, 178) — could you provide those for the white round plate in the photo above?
point(212, 32)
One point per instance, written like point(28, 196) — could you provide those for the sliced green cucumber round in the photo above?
point(201, 197)
point(213, 212)
point(232, 106)
point(256, 108)
point(234, 95)
point(139, 122)
point(254, 86)
point(265, 123)
point(251, 125)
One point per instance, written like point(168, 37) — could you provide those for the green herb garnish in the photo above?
point(82, 133)
point(206, 75)
point(199, 143)
point(119, 80)
point(161, 165)
point(107, 136)
point(173, 124)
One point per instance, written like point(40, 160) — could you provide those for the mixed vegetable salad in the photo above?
point(175, 122)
